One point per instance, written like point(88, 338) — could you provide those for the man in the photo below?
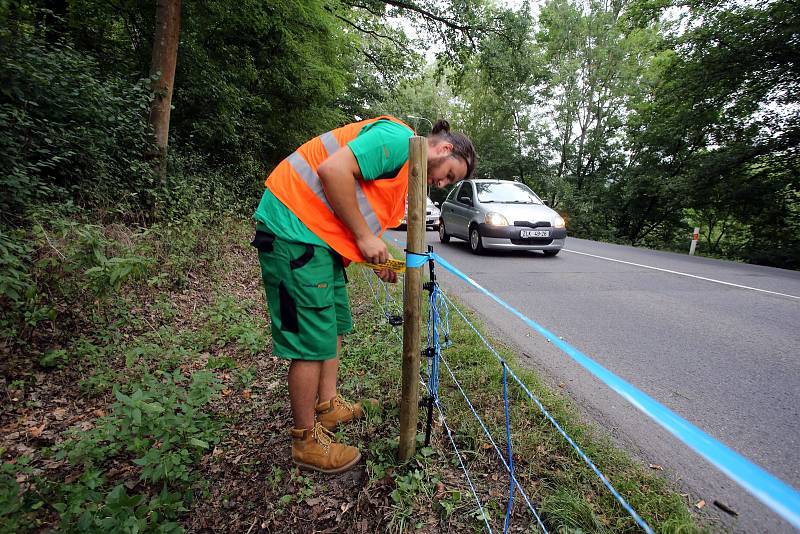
point(326, 205)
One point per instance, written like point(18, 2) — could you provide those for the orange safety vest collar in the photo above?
point(296, 183)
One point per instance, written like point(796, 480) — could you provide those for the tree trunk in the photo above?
point(162, 69)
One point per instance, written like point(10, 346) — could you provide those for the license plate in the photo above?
point(534, 233)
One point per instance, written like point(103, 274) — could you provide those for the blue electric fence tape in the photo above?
point(416, 259)
point(776, 494)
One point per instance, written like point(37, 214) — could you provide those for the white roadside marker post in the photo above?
point(695, 238)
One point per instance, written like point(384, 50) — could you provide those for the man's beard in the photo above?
point(434, 164)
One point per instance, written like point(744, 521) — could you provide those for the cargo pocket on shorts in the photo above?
point(310, 286)
point(312, 275)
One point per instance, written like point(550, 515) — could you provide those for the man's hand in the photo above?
point(373, 248)
point(387, 275)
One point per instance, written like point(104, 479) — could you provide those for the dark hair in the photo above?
point(462, 146)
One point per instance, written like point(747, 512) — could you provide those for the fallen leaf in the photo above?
point(656, 467)
point(99, 413)
point(225, 392)
point(486, 446)
point(700, 504)
point(561, 384)
point(36, 431)
point(60, 413)
point(247, 394)
point(313, 502)
point(24, 449)
point(85, 425)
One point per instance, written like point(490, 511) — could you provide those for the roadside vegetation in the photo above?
point(138, 391)
point(152, 404)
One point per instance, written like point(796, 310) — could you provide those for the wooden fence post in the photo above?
point(412, 298)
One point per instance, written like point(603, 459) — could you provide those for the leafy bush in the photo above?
point(68, 132)
point(160, 421)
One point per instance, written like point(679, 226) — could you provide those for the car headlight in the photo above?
point(495, 219)
point(559, 222)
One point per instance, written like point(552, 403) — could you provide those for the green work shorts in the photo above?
point(306, 295)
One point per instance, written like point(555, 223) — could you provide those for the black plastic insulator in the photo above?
point(428, 286)
point(429, 352)
point(396, 320)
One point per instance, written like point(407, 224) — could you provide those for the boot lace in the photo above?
point(323, 436)
point(343, 403)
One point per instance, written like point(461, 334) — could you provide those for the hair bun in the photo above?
point(441, 126)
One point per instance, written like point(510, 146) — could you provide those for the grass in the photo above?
point(566, 493)
point(140, 395)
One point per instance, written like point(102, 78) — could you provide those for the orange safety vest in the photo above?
point(297, 185)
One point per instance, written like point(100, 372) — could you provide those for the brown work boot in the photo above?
point(337, 410)
point(315, 449)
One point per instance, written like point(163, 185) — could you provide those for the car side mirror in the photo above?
point(465, 200)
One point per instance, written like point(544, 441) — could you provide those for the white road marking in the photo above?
point(684, 274)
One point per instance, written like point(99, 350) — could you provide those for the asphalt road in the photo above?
point(725, 358)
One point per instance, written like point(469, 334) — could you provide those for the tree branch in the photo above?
point(430, 15)
point(371, 32)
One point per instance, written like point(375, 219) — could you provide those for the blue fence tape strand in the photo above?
point(620, 499)
point(416, 259)
point(494, 444)
point(773, 492)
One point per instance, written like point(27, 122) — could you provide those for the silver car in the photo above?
point(500, 214)
point(432, 214)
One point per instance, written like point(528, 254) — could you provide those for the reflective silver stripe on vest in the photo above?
point(311, 178)
point(366, 210)
point(330, 143)
point(301, 167)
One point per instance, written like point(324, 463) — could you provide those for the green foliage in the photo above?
point(160, 421)
point(13, 503)
point(20, 301)
point(88, 510)
point(161, 425)
point(68, 133)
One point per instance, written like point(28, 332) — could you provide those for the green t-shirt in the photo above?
point(381, 149)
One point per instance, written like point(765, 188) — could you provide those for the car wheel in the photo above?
point(444, 237)
point(551, 252)
point(475, 241)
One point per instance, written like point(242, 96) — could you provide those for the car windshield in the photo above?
point(507, 192)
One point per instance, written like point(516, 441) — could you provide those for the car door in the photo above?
point(463, 209)
point(449, 210)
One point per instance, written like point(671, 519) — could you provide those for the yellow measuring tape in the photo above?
point(398, 266)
